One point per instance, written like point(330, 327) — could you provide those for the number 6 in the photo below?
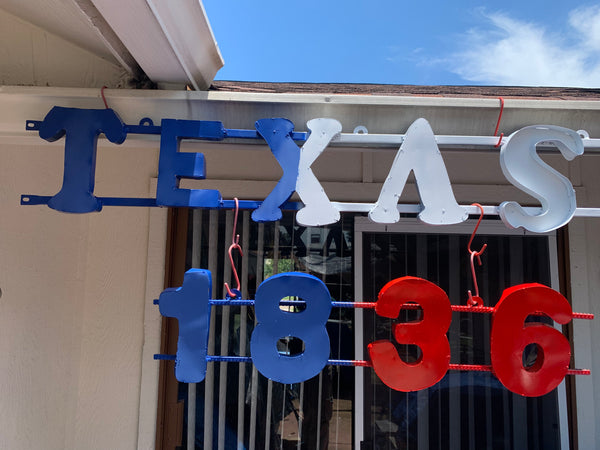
point(511, 334)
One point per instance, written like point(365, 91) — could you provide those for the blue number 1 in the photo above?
point(189, 304)
point(274, 324)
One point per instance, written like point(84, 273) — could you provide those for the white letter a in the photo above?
point(419, 152)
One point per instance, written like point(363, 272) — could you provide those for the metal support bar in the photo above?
point(358, 363)
point(489, 210)
point(146, 126)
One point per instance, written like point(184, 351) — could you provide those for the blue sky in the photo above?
point(526, 42)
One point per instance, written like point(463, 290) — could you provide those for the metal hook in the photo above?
point(235, 244)
point(498, 123)
point(103, 97)
point(475, 300)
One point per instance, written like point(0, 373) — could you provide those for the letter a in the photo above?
point(419, 152)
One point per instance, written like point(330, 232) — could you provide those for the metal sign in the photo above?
point(418, 153)
point(190, 305)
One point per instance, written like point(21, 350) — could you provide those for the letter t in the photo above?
point(82, 127)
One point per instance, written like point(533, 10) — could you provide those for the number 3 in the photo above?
point(429, 334)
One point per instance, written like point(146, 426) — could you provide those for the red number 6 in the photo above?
point(429, 334)
point(510, 335)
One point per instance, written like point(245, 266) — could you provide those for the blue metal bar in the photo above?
point(241, 302)
point(33, 125)
point(299, 135)
point(242, 134)
point(142, 129)
point(248, 359)
point(127, 201)
point(35, 199)
point(231, 302)
point(28, 199)
point(253, 134)
point(146, 126)
point(253, 204)
point(238, 359)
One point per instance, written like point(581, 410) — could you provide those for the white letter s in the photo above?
point(524, 169)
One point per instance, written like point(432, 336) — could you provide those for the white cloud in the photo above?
point(587, 21)
point(512, 52)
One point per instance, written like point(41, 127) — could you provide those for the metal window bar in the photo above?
point(270, 382)
point(209, 379)
point(300, 416)
point(519, 404)
point(254, 395)
point(225, 313)
point(454, 291)
point(243, 333)
point(192, 387)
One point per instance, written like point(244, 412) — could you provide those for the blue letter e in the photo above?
point(174, 165)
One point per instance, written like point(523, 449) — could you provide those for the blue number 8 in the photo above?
point(308, 325)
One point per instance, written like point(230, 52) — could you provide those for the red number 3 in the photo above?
point(510, 335)
point(429, 334)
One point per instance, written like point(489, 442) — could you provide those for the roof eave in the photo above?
point(171, 41)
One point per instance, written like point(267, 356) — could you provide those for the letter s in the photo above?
point(524, 169)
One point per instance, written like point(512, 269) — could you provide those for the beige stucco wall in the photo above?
point(77, 327)
point(75, 295)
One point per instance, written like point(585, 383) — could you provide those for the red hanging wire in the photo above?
point(235, 244)
point(475, 300)
point(103, 97)
point(498, 123)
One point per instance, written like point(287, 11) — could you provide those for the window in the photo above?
point(343, 407)
point(465, 409)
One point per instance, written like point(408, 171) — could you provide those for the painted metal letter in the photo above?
point(419, 153)
point(81, 127)
point(523, 167)
point(277, 133)
point(173, 165)
point(318, 210)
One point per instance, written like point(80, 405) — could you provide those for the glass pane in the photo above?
point(255, 412)
point(465, 410)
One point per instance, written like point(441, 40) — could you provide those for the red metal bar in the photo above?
point(578, 372)
point(466, 308)
point(465, 367)
point(471, 367)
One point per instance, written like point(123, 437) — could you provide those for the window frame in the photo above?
point(567, 411)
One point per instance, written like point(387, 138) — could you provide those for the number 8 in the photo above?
point(308, 325)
